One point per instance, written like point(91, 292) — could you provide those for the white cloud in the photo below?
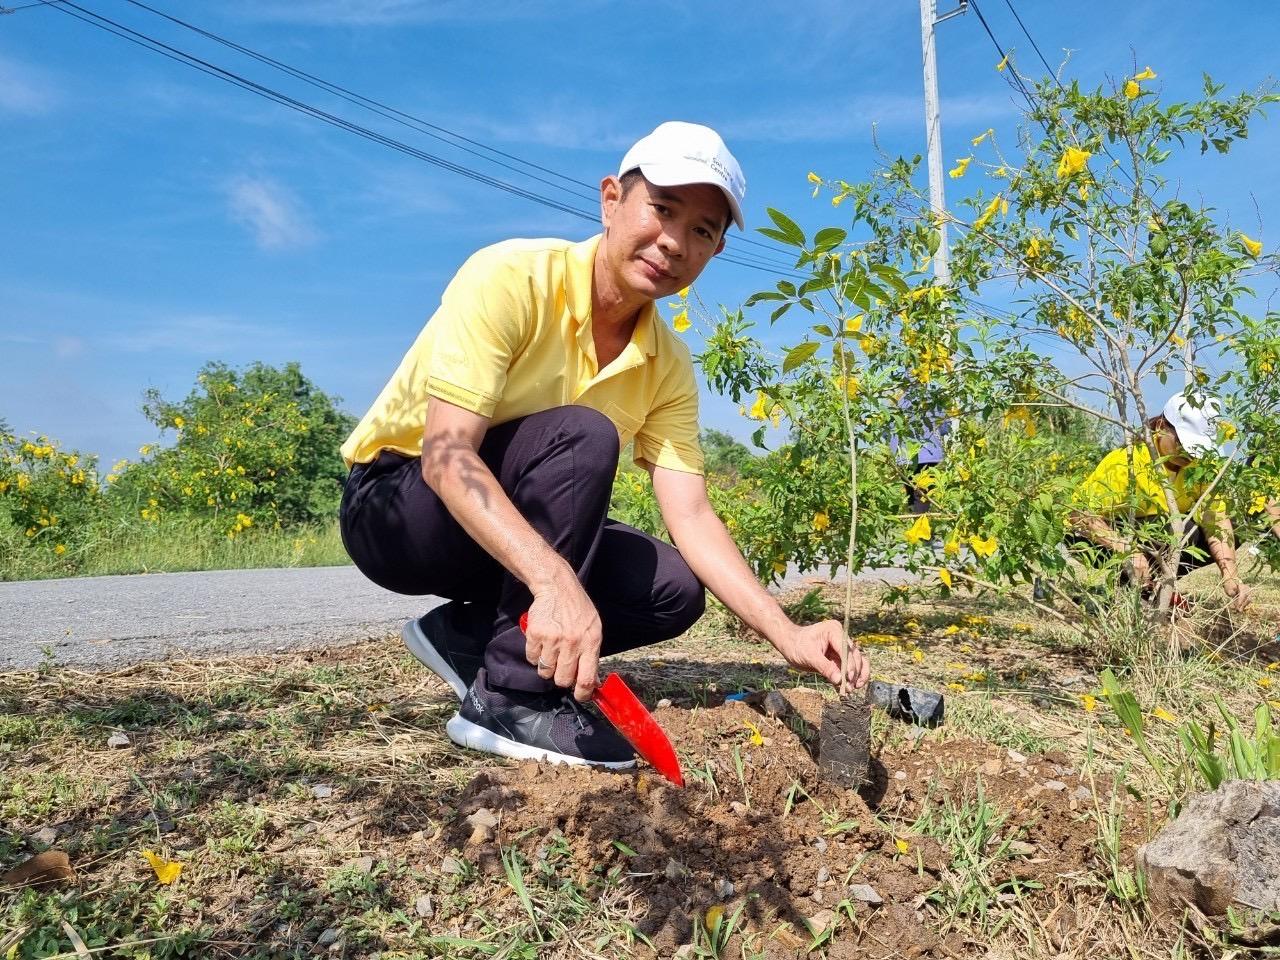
point(270, 211)
point(65, 348)
point(25, 89)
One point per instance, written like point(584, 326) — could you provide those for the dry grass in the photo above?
point(299, 793)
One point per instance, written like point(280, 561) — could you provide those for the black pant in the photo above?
point(557, 467)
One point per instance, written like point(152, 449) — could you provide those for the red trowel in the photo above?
point(625, 711)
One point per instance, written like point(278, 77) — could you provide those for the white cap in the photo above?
point(677, 153)
point(1195, 425)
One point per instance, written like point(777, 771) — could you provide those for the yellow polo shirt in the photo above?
point(512, 336)
point(1106, 491)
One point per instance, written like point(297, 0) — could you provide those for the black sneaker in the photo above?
point(532, 726)
point(450, 651)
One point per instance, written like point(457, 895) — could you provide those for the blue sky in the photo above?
point(153, 218)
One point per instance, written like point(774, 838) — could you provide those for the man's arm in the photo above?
point(717, 562)
point(564, 627)
point(1220, 535)
point(1273, 511)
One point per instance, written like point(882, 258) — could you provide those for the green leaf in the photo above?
point(822, 330)
point(892, 277)
point(773, 317)
point(762, 296)
point(828, 239)
point(1070, 230)
point(773, 234)
point(791, 232)
point(798, 355)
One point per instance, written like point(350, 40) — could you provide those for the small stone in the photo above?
point(664, 702)
point(739, 808)
point(993, 768)
point(823, 876)
point(1083, 793)
point(900, 775)
point(450, 865)
point(724, 889)
point(1017, 757)
point(775, 704)
point(821, 921)
point(45, 836)
point(675, 870)
point(683, 952)
point(480, 835)
point(1054, 785)
point(816, 896)
point(484, 817)
point(1020, 848)
point(360, 865)
point(322, 791)
point(424, 907)
point(328, 937)
point(820, 844)
point(118, 741)
point(865, 893)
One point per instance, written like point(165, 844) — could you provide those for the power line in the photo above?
point(156, 46)
point(400, 116)
point(1035, 46)
point(1013, 70)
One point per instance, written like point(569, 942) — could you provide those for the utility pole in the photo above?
point(933, 128)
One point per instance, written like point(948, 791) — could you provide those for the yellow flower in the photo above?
point(951, 547)
point(814, 178)
point(755, 739)
point(1256, 506)
point(1131, 90)
point(988, 213)
point(1160, 713)
point(779, 567)
point(684, 294)
point(853, 324)
point(945, 576)
point(982, 136)
point(60, 549)
point(957, 687)
point(926, 480)
point(1146, 74)
point(1253, 246)
point(950, 630)
point(849, 385)
point(758, 409)
point(956, 172)
point(919, 531)
point(901, 845)
point(713, 918)
point(680, 322)
point(166, 870)
point(179, 422)
point(1073, 161)
point(1089, 702)
point(917, 655)
point(1264, 682)
point(1036, 248)
point(983, 548)
point(821, 521)
point(1002, 64)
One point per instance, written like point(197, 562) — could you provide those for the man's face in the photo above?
point(659, 239)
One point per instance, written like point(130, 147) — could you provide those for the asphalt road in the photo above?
point(112, 621)
point(103, 622)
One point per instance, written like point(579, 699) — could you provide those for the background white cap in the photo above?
point(677, 153)
point(1196, 426)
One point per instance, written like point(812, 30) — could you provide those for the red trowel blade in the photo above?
point(625, 711)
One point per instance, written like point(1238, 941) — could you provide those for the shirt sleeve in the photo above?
point(479, 328)
point(669, 435)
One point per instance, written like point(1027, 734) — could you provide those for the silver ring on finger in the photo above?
point(543, 665)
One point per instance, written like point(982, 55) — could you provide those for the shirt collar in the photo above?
point(580, 262)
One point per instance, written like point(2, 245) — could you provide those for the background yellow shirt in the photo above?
point(1107, 491)
point(512, 336)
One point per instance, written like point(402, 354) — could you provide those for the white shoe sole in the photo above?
point(475, 737)
point(421, 648)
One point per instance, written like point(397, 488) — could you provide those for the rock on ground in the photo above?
point(1223, 850)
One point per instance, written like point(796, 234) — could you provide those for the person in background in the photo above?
point(1127, 481)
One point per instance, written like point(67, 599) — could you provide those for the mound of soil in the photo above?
point(780, 840)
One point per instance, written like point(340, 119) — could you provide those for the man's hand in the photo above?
point(1239, 592)
point(564, 635)
point(817, 648)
